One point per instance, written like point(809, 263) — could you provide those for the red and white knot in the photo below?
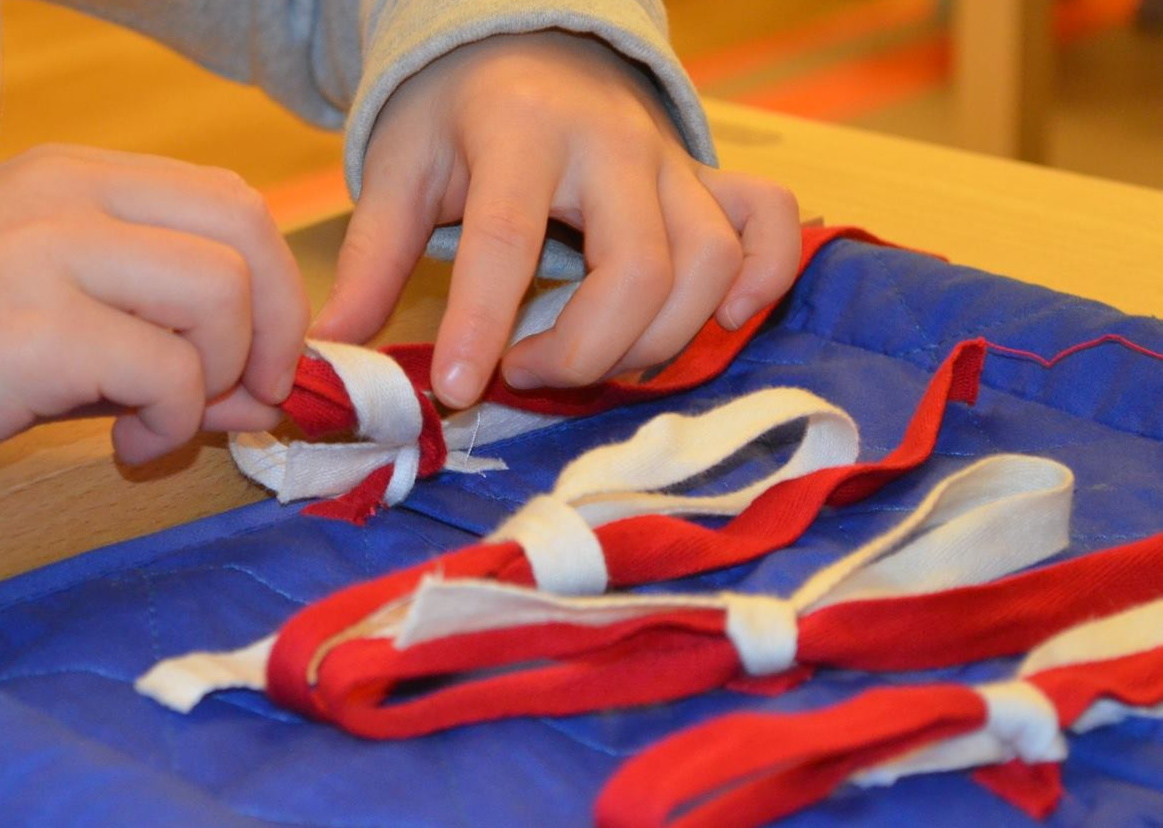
point(390, 427)
point(997, 516)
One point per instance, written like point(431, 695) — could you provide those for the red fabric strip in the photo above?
point(747, 768)
point(1005, 617)
point(319, 405)
point(638, 550)
point(358, 505)
point(623, 664)
point(1035, 789)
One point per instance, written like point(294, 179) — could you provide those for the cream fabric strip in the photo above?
point(626, 479)
point(691, 443)
point(997, 516)
point(762, 628)
point(1022, 722)
point(389, 420)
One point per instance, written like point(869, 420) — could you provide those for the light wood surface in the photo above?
point(69, 78)
point(62, 493)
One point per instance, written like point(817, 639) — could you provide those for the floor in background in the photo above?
point(884, 65)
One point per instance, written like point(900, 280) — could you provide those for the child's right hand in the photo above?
point(152, 286)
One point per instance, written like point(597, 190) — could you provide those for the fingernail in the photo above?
point(521, 380)
point(738, 311)
point(461, 385)
point(284, 385)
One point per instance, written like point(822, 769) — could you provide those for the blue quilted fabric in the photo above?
point(864, 328)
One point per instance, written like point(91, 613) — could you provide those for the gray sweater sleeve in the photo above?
point(331, 60)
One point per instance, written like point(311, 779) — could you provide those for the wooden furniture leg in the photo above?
point(1003, 70)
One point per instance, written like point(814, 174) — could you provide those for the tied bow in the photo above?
point(563, 656)
point(382, 397)
point(749, 768)
point(630, 551)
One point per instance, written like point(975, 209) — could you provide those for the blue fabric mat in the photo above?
point(864, 328)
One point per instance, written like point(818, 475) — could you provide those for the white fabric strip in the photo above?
point(571, 560)
point(986, 533)
point(1110, 711)
point(622, 480)
point(180, 683)
point(383, 397)
point(997, 516)
point(1022, 722)
point(762, 628)
point(1134, 631)
point(442, 608)
point(764, 631)
point(388, 416)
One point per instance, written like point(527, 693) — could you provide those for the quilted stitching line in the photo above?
point(894, 290)
point(169, 735)
point(1003, 392)
point(948, 340)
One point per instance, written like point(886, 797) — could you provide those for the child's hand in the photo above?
point(143, 284)
point(512, 131)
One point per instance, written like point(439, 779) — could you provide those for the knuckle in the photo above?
point(245, 200)
point(651, 273)
point(781, 199)
point(51, 169)
point(507, 230)
point(230, 268)
point(180, 369)
point(722, 252)
point(573, 371)
point(225, 284)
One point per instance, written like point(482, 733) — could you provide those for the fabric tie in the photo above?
point(637, 550)
point(626, 479)
point(383, 397)
point(749, 768)
point(622, 650)
point(400, 439)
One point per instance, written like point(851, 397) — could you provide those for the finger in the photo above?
point(767, 216)
point(510, 191)
point(385, 238)
point(138, 366)
point(218, 205)
point(237, 410)
point(197, 287)
point(707, 255)
point(631, 277)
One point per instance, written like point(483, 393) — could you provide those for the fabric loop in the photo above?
point(563, 551)
point(387, 413)
point(1014, 506)
point(1024, 720)
point(763, 630)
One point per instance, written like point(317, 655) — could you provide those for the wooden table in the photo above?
point(62, 492)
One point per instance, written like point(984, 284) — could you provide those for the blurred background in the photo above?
point(1081, 80)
